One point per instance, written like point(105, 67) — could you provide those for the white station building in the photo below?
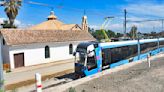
point(47, 42)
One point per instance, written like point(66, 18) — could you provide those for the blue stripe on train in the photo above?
point(135, 58)
point(93, 71)
point(144, 55)
point(119, 63)
point(154, 52)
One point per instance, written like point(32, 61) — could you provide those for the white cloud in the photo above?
point(1, 20)
point(139, 12)
point(16, 22)
point(95, 27)
point(25, 25)
point(146, 9)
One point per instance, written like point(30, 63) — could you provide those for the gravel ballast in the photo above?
point(139, 78)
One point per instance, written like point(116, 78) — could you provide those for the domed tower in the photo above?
point(84, 23)
point(52, 16)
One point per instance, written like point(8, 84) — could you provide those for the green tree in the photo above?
point(153, 33)
point(111, 34)
point(11, 10)
point(133, 32)
point(119, 35)
point(98, 34)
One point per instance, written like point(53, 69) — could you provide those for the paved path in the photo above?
point(22, 74)
point(139, 78)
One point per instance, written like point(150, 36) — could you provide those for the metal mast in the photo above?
point(125, 14)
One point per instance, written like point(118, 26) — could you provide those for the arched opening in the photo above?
point(70, 49)
point(47, 52)
point(3, 41)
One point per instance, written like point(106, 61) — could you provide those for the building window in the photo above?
point(70, 49)
point(4, 42)
point(47, 52)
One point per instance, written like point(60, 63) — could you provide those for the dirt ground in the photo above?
point(139, 78)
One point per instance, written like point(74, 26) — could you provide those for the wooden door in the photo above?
point(19, 60)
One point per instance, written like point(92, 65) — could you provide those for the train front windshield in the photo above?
point(80, 58)
point(85, 59)
point(86, 56)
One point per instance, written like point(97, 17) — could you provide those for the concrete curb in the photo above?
point(63, 87)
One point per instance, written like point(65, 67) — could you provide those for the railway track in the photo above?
point(47, 80)
point(57, 81)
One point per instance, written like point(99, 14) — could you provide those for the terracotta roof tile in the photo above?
point(19, 37)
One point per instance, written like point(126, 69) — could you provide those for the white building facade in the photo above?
point(33, 54)
point(22, 48)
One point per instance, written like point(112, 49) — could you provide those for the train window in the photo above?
point(143, 47)
point(133, 49)
point(91, 63)
point(161, 43)
point(125, 52)
point(122, 53)
point(148, 46)
point(116, 54)
point(106, 57)
point(152, 45)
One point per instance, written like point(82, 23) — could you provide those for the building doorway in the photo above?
point(19, 60)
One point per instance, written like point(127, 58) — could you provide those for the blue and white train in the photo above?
point(93, 57)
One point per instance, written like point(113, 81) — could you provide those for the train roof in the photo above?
point(126, 43)
point(86, 44)
point(161, 39)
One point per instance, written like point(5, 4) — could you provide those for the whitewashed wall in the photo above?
point(35, 53)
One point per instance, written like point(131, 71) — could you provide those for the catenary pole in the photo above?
point(125, 15)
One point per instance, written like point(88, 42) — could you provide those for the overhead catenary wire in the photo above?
point(150, 20)
point(61, 7)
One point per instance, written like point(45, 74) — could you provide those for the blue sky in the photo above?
point(71, 11)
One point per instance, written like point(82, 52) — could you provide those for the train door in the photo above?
point(93, 62)
point(106, 58)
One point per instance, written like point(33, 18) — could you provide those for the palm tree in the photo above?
point(133, 32)
point(11, 9)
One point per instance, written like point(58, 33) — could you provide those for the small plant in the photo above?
point(8, 71)
point(1, 90)
point(7, 68)
point(72, 89)
point(83, 90)
point(14, 90)
point(1, 83)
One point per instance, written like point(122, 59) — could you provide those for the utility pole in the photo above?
point(125, 14)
